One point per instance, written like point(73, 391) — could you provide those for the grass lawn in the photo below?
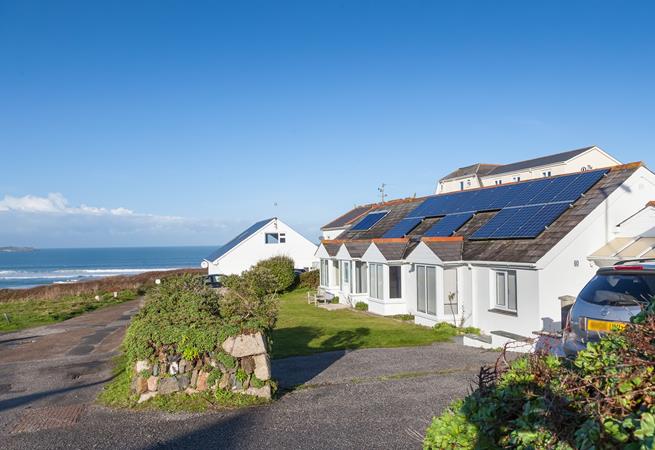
point(304, 329)
point(21, 314)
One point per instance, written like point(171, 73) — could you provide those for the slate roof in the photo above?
point(478, 169)
point(239, 239)
point(538, 162)
point(357, 249)
point(501, 250)
point(349, 217)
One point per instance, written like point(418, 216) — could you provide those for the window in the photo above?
point(325, 272)
point(272, 238)
point(516, 179)
point(345, 274)
point(426, 295)
point(461, 185)
point(506, 290)
point(546, 173)
point(283, 238)
point(395, 282)
point(360, 277)
point(376, 280)
point(499, 182)
point(337, 272)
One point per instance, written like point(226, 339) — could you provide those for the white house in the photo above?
point(262, 240)
point(482, 175)
point(498, 258)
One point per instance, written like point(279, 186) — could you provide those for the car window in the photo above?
point(619, 290)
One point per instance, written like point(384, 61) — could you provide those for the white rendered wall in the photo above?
point(446, 186)
point(255, 249)
point(332, 234)
point(641, 224)
point(592, 159)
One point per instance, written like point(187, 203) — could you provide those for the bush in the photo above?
point(310, 279)
point(449, 328)
point(361, 306)
point(184, 316)
point(281, 268)
point(602, 399)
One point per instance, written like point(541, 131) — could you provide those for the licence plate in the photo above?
point(604, 325)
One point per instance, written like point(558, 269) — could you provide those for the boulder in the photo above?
point(245, 345)
point(147, 396)
point(183, 381)
point(173, 368)
point(140, 385)
point(190, 391)
point(262, 367)
point(201, 384)
point(248, 364)
point(264, 392)
point(168, 386)
point(141, 365)
point(185, 366)
point(155, 370)
point(194, 378)
point(226, 381)
point(152, 383)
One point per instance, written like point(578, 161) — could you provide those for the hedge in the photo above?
point(602, 399)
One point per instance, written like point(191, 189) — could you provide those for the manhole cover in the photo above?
point(47, 418)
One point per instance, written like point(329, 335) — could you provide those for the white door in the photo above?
point(450, 296)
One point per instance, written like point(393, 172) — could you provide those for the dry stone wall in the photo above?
point(242, 365)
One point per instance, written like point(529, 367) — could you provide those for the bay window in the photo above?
point(376, 281)
point(426, 296)
point(361, 284)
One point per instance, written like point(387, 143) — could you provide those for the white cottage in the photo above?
point(262, 240)
point(498, 258)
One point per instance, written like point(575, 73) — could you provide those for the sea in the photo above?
point(66, 265)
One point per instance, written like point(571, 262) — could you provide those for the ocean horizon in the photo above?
point(65, 265)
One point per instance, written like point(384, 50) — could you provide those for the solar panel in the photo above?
point(369, 220)
point(540, 220)
point(448, 225)
point(582, 183)
point(515, 221)
point(402, 228)
point(522, 206)
point(486, 230)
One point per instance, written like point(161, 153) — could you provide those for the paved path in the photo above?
point(372, 398)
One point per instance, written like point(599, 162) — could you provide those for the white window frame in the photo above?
point(325, 272)
point(376, 281)
point(547, 173)
point(507, 290)
point(426, 288)
point(277, 237)
point(360, 268)
point(345, 270)
point(400, 281)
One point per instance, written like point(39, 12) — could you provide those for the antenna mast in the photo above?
point(381, 191)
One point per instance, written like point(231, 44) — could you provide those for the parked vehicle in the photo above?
point(608, 301)
point(214, 281)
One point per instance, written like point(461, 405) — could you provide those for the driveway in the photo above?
point(370, 398)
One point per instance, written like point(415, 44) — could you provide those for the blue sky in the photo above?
point(163, 123)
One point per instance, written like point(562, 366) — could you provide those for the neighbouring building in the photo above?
point(498, 257)
point(482, 175)
point(262, 240)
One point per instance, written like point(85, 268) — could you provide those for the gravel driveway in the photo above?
point(370, 398)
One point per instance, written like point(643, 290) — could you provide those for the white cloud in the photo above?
point(56, 203)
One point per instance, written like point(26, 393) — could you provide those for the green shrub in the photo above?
point(602, 399)
point(449, 328)
point(184, 316)
point(281, 268)
point(310, 279)
point(335, 300)
point(228, 361)
point(361, 306)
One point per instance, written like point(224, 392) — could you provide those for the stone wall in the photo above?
point(242, 366)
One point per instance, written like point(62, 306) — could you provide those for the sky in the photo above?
point(161, 122)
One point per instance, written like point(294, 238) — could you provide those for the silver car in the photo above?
point(607, 302)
